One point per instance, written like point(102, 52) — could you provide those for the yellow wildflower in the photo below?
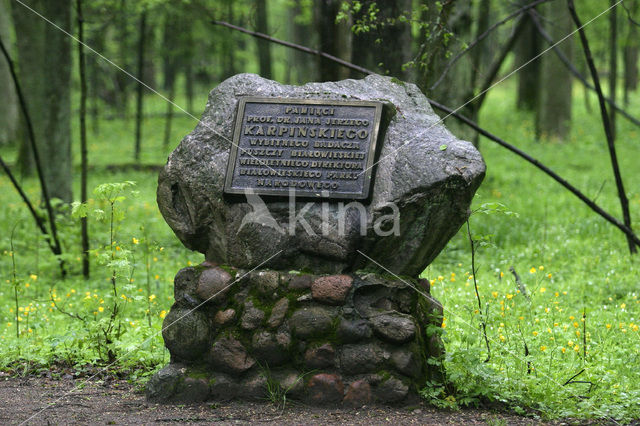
point(542, 289)
point(543, 348)
point(494, 294)
point(135, 240)
point(532, 270)
point(100, 309)
point(535, 333)
point(33, 277)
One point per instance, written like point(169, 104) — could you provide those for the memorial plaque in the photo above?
point(319, 148)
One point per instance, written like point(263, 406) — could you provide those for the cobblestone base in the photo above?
point(338, 339)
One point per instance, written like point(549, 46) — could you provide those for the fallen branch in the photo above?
point(624, 202)
point(575, 191)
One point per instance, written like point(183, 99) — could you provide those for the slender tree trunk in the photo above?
point(264, 47)
point(83, 138)
point(171, 48)
point(9, 113)
point(528, 46)
point(631, 49)
point(553, 118)
point(477, 56)
point(301, 33)
point(227, 46)
point(613, 62)
point(123, 81)
point(95, 83)
point(140, 87)
point(168, 119)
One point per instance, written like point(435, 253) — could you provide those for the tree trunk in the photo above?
point(170, 60)
point(84, 228)
point(553, 118)
point(140, 87)
point(44, 56)
point(480, 56)
point(435, 50)
point(528, 46)
point(227, 45)
point(394, 48)
point(9, 112)
point(301, 33)
point(123, 81)
point(96, 79)
point(613, 62)
point(264, 47)
point(361, 52)
point(631, 48)
point(335, 39)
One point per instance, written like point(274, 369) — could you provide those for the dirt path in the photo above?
point(117, 402)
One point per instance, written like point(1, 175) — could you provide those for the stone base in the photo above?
point(339, 339)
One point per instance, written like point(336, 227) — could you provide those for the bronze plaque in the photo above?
point(320, 148)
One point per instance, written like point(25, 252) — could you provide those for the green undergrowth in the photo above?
point(569, 347)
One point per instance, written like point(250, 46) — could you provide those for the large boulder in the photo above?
point(423, 170)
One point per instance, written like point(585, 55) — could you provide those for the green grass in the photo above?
point(569, 259)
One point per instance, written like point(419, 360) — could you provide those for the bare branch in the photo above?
point(624, 202)
point(629, 17)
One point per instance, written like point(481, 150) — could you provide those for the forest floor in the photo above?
point(39, 400)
